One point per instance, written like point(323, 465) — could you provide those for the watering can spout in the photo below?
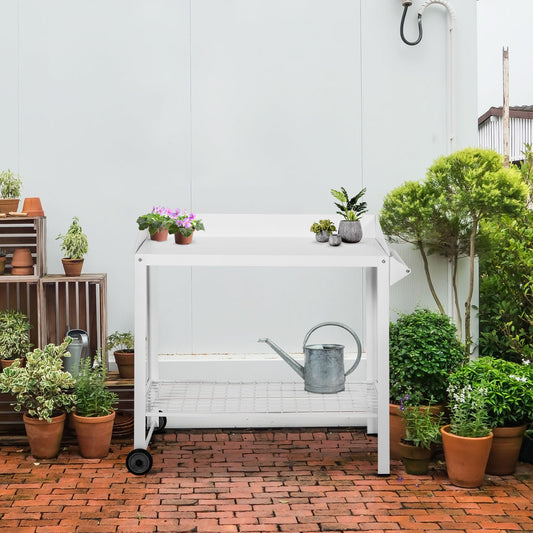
point(297, 367)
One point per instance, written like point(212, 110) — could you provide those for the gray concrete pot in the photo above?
point(350, 230)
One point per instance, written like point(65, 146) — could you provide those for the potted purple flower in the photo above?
point(157, 222)
point(183, 226)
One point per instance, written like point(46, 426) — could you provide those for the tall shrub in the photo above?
point(506, 281)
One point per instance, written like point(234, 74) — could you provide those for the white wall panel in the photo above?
point(225, 106)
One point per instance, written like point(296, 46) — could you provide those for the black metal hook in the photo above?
point(410, 43)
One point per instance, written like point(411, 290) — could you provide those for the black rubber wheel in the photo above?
point(139, 462)
point(162, 425)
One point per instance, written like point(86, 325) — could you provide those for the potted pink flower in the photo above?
point(157, 222)
point(183, 226)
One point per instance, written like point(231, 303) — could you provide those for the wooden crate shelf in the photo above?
point(24, 232)
point(23, 295)
point(78, 302)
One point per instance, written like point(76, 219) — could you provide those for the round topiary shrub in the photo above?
point(424, 351)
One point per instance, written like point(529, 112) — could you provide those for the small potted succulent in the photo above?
point(184, 225)
point(43, 390)
point(75, 245)
point(422, 433)
point(14, 337)
point(351, 209)
point(123, 346)
point(323, 229)
point(157, 222)
point(10, 185)
point(3, 256)
point(94, 411)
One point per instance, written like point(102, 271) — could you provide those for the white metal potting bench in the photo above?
point(155, 398)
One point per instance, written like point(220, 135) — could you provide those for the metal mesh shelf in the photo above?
point(200, 397)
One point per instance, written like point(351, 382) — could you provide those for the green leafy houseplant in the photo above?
point(14, 335)
point(160, 218)
point(422, 426)
point(323, 225)
point(92, 396)
point(74, 243)
point(508, 389)
point(349, 208)
point(424, 351)
point(122, 341)
point(123, 344)
point(41, 387)
point(10, 184)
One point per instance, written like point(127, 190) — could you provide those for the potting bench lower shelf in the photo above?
point(279, 403)
point(287, 244)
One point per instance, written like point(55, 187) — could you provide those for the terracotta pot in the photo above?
point(505, 450)
point(22, 262)
point(180, 239)
point(8, 362)
point(44, 437)
point(2, 265)
point(8, 205)
point(126, 363)
point(160, 235)
point(94, 434)
point(415, 459)
point(397, 427)
point(72, 267)
point(466, 458)
point(32, 207)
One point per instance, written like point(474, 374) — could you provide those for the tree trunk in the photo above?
point(459, 321)
point(468, 303)
point(428, 277)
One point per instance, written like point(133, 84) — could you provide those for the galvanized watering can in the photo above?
point(323, 370)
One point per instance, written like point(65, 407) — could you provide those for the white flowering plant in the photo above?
point(468, 411)
point(509, 389)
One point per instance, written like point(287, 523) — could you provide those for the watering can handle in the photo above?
point(349, 330)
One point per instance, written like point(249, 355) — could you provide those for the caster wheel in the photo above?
point(139, 462)
point(162, 425)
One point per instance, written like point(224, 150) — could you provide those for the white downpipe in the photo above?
point(451, 66)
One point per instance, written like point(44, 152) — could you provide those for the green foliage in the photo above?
point(14, 335)
point(41, 387)
point(422, 426)
point(460, 191)
point(468, 411)
point(424, 350)
point(323, 225)
point(508, 385)
point(154, 222)
point(124, 341)
point(10, 184)
point(506, 281)
point(74, 243)
point(92, 396)
point(349, 208)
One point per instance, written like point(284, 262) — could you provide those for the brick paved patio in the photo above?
point(244, 481)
